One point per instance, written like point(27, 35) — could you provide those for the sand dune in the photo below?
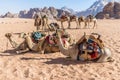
point(54, 66)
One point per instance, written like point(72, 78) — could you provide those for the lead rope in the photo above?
point(7, 45)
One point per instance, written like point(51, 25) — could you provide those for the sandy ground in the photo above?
point(54, 66)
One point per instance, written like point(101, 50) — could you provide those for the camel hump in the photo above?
point(81, 18)
point(72, 17)
point(90, 16)
point(63, 17)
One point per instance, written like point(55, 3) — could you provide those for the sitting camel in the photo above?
point(69, 19)
point(88, 48)
point(37, 42)
point(50, 44)
point(28, 44)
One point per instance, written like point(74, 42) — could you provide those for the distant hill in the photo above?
point(50, 12)
point(111, 10)
point(96, 7)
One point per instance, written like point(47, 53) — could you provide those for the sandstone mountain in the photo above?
point(50, 12)
point(111, 10)
point(9, 15)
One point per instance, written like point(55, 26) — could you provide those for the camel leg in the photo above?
point(22, 51)
point(37, 28)
point(77, 24)
point(62, 25)
point(88, 25)
point(69, 24)
point(95, 25)
point(85, 25)
point(30, 43)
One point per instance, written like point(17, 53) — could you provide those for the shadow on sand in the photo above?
point(60, 60)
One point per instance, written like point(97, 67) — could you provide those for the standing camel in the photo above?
point(69, 19)
point(87, 21)
point(80, 20)
point(44, 22)
point(62, 19)
point(41, 21)
point(73, 51)
point(37, 22)
point(90, 19)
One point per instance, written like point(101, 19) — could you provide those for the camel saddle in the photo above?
point(63, 17)
point(73, 17)
point(90, 47)
point(51, 40)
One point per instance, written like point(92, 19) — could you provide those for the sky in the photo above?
point(15, 6)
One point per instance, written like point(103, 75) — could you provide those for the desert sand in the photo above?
point(55, 66)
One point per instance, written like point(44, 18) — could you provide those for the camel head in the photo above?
point(8, 35)
point(90, 16)
point(59, 32)
point(81, 18)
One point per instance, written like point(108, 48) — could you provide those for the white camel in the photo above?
point(73, 51)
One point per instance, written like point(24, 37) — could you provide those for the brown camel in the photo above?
point(69, 19)
point(50, 44)
point(62, 19)
point(43, 45)
point(83, 54)
point(87, 21)
point(37, 22)
point(41, 22)
point(53, 26)
point(90, 19)
point(28, 44)
point(44, 22)
point(81, 19)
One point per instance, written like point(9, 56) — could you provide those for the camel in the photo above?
point(53, 26)
point(50, 44)
point(69, 19)
point(27, 45)
point(89, 19)
point(37, 22)
point(72, 18)
point(62, 19)
point(44, 22)
point(41, 21)
point(43, 45)
point(81, 19)
point(73, 51)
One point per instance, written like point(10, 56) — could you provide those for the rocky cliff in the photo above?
point(111, 10)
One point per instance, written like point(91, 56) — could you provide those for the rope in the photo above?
point(7, 45)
